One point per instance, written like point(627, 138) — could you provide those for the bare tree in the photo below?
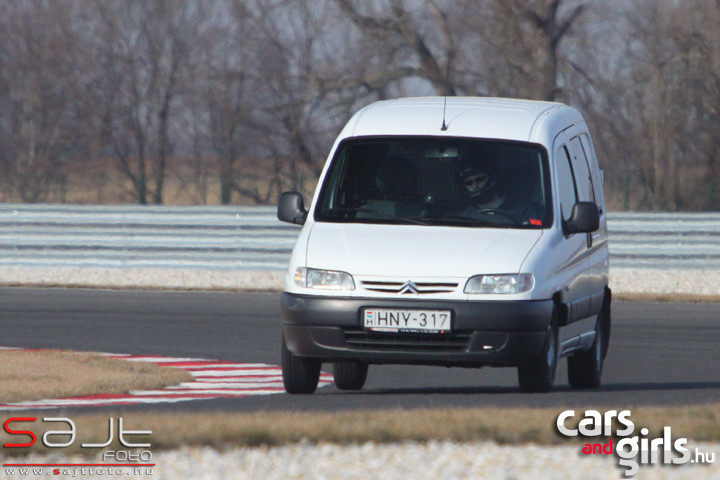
point(143, 49)
point(397, 25)
point(253, 92)
point(39, 115)
point(521, 44)
point(661, 134)
point(295, 89)
point(698, 41)
point(228, 91)
point(711, 47)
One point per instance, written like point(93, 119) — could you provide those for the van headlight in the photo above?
point(494, 284)
point(323, 279)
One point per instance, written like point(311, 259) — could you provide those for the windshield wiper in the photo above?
point(462, 220)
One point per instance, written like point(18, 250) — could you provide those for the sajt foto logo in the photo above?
point(25, 431)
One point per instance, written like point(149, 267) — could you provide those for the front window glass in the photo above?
point(437, 181)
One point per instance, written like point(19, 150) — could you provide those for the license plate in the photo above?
point(402, 320)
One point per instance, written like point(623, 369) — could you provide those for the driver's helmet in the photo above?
point(478, 180)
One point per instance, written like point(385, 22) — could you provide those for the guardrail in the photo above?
point(251, 238)
point(665, 240)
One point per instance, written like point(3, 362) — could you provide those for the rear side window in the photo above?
point(597, 180)
point(566, 183)
point(586, 189)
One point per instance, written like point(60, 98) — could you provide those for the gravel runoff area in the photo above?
point(622, 281)
point(431, 461)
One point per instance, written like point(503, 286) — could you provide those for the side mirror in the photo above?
point(291, 208)
point(585, 218)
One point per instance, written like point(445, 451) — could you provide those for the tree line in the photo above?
point(234, 101)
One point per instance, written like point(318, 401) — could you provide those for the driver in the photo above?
point(479, 182)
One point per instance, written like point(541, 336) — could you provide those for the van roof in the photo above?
point(479, 117)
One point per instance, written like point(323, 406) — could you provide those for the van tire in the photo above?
point(300, 375)
point(585, 368)
point(539, 375)
point(350, 375)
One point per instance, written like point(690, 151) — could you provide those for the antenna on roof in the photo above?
point(444, 126)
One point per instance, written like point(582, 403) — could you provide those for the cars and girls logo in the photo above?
point(132, 457)
point(631, 449)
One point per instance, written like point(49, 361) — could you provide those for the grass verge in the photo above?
point(34, 375)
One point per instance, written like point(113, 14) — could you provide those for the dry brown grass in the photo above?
point(101, 182)
point(34, 375)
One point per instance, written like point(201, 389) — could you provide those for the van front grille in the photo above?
point(453, 342)
point(416, 288)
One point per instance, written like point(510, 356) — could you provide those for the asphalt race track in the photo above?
point(660, 353)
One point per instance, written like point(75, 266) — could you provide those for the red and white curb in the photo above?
point(213, 379)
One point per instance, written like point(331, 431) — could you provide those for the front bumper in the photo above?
point(483, 333)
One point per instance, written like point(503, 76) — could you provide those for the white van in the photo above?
point(458, 232)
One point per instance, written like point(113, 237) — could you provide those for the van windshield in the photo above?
point(437, 181)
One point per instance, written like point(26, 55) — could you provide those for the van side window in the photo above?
point(597, 180)
point(566, 183)
point(586, 189)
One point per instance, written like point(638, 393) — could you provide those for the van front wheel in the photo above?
point(300, 375)
point(539, 376)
